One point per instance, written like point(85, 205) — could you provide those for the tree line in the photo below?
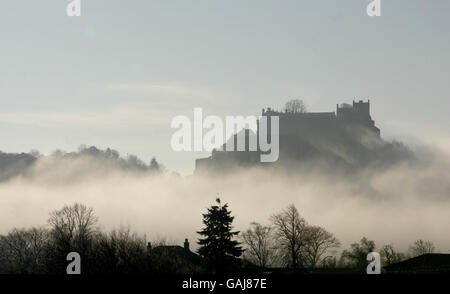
point(15, 164)
point(288, 242)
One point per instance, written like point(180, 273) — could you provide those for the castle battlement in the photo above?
point(358, 113)
point(302, 134)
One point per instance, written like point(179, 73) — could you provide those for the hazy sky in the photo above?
point(118, 74)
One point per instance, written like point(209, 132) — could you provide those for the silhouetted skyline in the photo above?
point(116, 76)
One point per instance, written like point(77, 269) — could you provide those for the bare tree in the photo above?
point(120, 251)
point(319, 243)
point(291, 231)
point(73, 226)
point(295, 106)
point(259, 242)
point(390, 255)
point(421, 247)
point(75, 220)
point(23, 250)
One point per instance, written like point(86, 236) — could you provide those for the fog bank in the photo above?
point(396, 204)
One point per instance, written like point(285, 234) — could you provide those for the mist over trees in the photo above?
point(289, 242)
point(75, 228)
point(292, 232)
point(260, 243)
point(320, 244)
point(14, 164)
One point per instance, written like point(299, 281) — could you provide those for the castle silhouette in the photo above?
point(348, 136)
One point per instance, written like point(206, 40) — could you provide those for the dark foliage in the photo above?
point(218, 248)
point(14, 164)
point(74, 229)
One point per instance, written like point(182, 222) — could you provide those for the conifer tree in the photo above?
point(218, 248)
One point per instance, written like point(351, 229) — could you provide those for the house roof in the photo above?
point(425, 262)
point(180, 252)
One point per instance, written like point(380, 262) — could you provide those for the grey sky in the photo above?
point(118, 74)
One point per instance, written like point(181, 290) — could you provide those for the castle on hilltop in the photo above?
point(305, 122)
point(303, 136)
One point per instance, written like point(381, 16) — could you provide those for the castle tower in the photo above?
point(363, 108)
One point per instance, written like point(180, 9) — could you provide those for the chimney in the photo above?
point(186, 244)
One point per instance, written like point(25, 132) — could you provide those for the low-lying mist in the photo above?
point(396, 204)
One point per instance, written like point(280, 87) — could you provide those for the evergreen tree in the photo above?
point(217, 248)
